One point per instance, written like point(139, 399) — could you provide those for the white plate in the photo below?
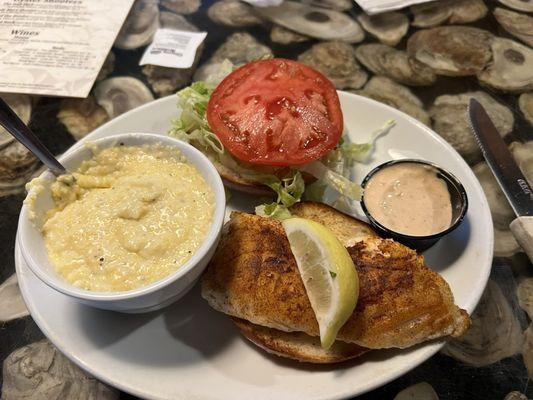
point(188, 351)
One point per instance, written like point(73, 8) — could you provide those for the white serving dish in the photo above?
point(189, 351)
point(148, 298)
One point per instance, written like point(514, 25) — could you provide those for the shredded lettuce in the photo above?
point(192, 125)
point(338, 182)
point(273, 210)
point(359, 152)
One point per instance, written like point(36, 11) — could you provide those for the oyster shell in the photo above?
point(171, 20)
point(182, 6)
point(107, 67)
point(12, 305)
point(281, 35)
point(525, 102)
point(520, 5)
point(81, 116)
point(451, 50)
point(395, 64)
point(523, 154)
point(524, 292)
point(495, 332)
point(527, 351)
point(233, 13)
point(39, 371)
point(337, 61)
point(17, 165)
point(140, 25)
point(505, 245)
point(420, 391)
point(317, 22)
point(21, 104)
point(387, 91)
point(449, 114)
point(389, 27)
point(120, 94)
point(339, 5)
point(502, 213)
point(453, 11)
point(514, 395)
point(239, 48)
point(518, 25)
point(163, 80)
point(511, 68)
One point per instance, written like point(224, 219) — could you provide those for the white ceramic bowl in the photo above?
point(147, 298)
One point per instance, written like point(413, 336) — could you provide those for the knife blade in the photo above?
point(503, 166)
point(500, 160)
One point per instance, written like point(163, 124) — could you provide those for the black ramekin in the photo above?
point(458, 198)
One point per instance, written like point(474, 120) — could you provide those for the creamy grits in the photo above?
point(127, 217)
point(409, 198)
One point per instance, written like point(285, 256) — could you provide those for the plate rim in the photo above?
point(432, 347)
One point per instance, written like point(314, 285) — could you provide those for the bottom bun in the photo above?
point(297, 345)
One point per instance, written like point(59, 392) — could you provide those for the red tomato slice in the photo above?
point(276, 112)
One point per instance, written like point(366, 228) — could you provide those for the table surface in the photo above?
point(488, 363)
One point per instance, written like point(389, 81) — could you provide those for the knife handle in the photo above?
point(522, 229)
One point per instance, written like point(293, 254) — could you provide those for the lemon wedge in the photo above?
point(328, 274)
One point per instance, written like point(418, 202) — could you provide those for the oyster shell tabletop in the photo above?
point(12, 304)
point(107, 67)
point(233, 13)
point(22, 106)
point(339, 5)
point(500, 209)
point(451, 50)
point(494, 335)
point(520, 5)
point(140, 25)
point(81, 116)
point(17, 165)
point(395, 64)
point(449, 116)
point(525, 102)
point(39, 371)
point(120, 94)
point(239, 48)
point(435, 13)
point(337, 61)
point(419, 391)
point(523, 154)
point(511, 68)
point(317, 22)
point(389, 27)
point(281, 35)
point(387, 91)
point(517, 24)
point(182, 6)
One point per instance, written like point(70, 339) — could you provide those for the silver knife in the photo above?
point(502, 164)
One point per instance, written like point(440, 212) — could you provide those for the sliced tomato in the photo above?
point(276, 112)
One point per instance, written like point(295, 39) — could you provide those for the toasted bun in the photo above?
point(346, 228)
point(297, 345)
point(235, 181)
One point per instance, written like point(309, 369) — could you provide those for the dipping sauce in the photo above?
point(128, 217)
point(409, 198)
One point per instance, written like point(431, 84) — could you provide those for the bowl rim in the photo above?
point(211, 238)
point(448, 174)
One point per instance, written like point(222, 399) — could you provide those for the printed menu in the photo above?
point(56, 47)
